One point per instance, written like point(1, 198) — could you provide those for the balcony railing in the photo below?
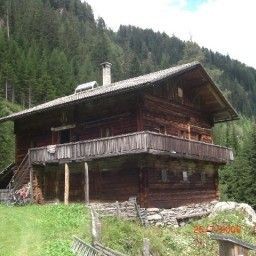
point(133, 143)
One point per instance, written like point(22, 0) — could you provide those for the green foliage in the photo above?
point(6, 135)
point(192, 52)
point(237, 179)
point(56, 44)
point(127, 237)
point(42, 230)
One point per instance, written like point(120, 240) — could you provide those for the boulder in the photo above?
point(233, 206)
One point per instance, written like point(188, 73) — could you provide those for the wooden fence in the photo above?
point(4, 195)
point(141, 142)
point(81, 248)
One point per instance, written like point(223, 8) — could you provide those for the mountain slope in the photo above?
point(53, 45)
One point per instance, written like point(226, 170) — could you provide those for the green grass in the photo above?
point(42, 230)
point(127, 237)
point(48, 230)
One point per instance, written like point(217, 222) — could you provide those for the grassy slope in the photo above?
point(127, 237)
point(41, 230)
point(48, 230)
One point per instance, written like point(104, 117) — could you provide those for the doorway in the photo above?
point(64, 136)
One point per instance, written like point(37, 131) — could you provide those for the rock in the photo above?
point(168, 212)
point(182, 224)
point(233, 206)
point(153, 210)
point(154, 217)
point(159, 224)
point(224, 206)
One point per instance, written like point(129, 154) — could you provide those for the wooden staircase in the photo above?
point(22, 175)
point(6, 175)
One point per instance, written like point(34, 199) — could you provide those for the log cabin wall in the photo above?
point(174, 109)
point(101, 118)
point(176, 182)
point(156, 181)
point(109, 180)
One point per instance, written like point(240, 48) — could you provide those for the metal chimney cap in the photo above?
point(106, 64)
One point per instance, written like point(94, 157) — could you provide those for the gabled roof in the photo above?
point(122, 87)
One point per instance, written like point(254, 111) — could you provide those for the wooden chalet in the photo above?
point(147, 137)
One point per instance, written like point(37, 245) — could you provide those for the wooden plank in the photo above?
point(86, 184)
point(31, 184)
point(66, 191)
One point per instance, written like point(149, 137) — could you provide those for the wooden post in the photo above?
point(86, 182)
point(189, 132)
point(96, 226)
point(139, 113)
point(146, 247)
point(66, 192)
point(216, 179)
point(118, 212)
point(57, 186)
point(31, 183)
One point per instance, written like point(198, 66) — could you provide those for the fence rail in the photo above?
point(81, 248)
point(141, 142)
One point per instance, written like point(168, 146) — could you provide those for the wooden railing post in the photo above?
point(66, 192)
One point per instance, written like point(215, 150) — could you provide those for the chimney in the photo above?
point(106, 72)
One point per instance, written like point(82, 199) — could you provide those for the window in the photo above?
point(182, 134)
point(203, 177)
point(105, 132)
point(197, 136)
point(164, 175)
point(64, 136)
point(180, 92)
point(162, 129)
point(185, 176)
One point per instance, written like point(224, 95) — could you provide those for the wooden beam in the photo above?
point(64, 127)
point(139, 113)
point(189, 132)
point(86, 182)
point(66, 192)
point(57, 186)
point(211, 89)
point(31, 184)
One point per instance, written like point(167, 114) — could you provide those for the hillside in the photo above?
point(49, 231)
point(53, 45)
point(6, 134)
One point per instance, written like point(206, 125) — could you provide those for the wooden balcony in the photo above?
point(133, 143)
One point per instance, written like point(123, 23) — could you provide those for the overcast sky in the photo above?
point(226, 26)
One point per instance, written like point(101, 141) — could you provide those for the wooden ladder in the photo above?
point(22, 175)
point(81, 248)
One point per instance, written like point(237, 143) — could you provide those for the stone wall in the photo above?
point(180, 215)
point(175, 216)
point(120, 209)
point(155, 216)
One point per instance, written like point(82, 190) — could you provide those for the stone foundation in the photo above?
point(156, 216)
